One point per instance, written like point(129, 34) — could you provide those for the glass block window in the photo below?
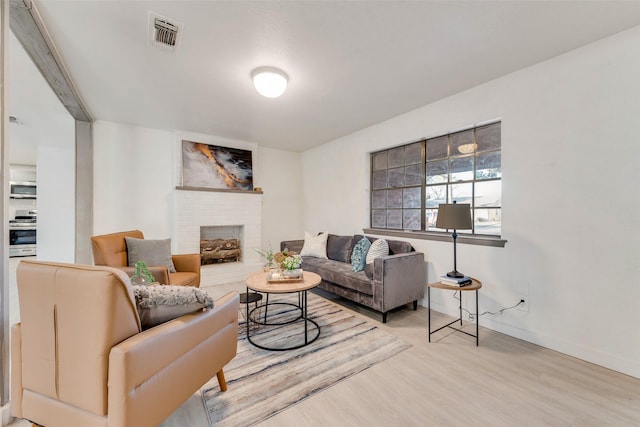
point(396, 183)
point(409, 182)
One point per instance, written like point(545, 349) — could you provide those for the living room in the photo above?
point(571, 243)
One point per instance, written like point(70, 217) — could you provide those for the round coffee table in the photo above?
point(258, 282)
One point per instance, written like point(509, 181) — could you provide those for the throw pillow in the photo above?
point(378, 248)
point(159, 304)
point(359, 254)
point(152, 252)
point(315, 246)
point(339, 247)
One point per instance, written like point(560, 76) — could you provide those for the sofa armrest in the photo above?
point(187, 262)
point(180, 355)
point(292, 245)
point(400, 278)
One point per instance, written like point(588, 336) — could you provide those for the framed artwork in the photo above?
point(212, 166)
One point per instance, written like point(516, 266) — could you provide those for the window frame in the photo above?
point(425, 232)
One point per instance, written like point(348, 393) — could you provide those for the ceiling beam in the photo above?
point(27, 25)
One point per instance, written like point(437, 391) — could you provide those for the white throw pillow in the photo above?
point(378, 248)
point(315, 246)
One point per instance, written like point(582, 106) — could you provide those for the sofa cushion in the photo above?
point(152, 252)
point(339, 248)
point(368, 270)
point(340, 273)
point(159, 304)
point(315, 246)
point(378, 248)
point(359, 254)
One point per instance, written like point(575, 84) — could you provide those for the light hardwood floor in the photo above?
point(451, 382)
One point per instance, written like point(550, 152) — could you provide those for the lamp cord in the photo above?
point(456, 295)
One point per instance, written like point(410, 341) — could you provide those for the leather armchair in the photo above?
point(79, 357)
point(111, 250)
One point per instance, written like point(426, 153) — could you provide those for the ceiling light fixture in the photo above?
point(467, 148)
point(269, 82)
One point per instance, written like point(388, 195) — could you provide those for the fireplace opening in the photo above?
point(220, 244)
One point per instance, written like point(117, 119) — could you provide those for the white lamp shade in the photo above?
point(269, 82)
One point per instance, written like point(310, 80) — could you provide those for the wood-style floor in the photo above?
point(451, 382)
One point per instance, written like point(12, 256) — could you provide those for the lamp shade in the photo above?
point(455, 216)
point(269, 82)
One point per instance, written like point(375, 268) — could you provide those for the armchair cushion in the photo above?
point(159, 304)
point(152, 252)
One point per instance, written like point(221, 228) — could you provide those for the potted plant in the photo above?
point(289, 262)
point(268, 255)
point(142, 275)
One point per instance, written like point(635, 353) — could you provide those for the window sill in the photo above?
point(439, 236)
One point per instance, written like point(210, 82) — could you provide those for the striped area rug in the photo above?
point(263, 383)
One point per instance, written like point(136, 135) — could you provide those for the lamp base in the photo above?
point(455, 274)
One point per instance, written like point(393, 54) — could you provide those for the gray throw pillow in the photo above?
point(161, 303)
point(339, 247)
point(152, 252)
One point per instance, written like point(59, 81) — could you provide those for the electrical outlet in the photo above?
point(523, 293)
point(524, 306)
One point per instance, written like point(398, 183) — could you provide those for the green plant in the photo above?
point(141, 270)
point(287, 260)
point(291, 262)
point(267, 255)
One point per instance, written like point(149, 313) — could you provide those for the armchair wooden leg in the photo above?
point(222, 381)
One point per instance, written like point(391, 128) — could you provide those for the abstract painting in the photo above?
point(212, 166)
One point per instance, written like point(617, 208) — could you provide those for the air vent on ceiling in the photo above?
point(164, 32)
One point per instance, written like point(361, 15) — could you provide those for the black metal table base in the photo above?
point(309, 324)
point(449, 325)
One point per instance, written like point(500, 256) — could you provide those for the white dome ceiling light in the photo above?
point(269, 82)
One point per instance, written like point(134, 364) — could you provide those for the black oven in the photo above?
point(22, 241)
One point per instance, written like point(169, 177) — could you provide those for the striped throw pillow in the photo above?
point(378, 248)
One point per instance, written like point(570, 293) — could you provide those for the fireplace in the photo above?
point(221, 244)
point(197, 209)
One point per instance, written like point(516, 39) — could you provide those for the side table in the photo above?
point(247, 298)
point(474, 286)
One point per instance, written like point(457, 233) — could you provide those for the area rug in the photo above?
point(262, 383)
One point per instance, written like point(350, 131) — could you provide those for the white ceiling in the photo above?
point(351, 63)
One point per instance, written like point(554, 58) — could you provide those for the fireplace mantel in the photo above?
point(219, 190)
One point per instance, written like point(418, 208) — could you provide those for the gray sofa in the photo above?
point(390, 282)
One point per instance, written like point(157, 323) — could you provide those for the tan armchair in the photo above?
point(111, 250)
point(79, 357)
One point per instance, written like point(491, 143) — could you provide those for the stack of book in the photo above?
point(455, 281)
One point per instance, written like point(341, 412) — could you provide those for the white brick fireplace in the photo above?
point(195, 209)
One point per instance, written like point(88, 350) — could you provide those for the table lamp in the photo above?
point(455, 216)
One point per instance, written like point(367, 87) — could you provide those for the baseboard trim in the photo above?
point(5, 412)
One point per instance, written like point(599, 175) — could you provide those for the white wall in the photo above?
point(570, 149)
point(56, 201)
point(137, 169)
point(133, 179)
point(281, 181)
